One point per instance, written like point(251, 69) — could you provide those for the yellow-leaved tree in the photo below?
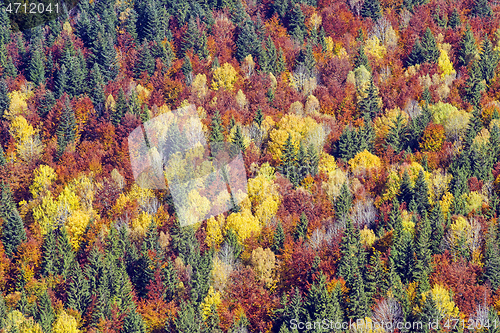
point(444, 64)
point(210, 303)
point(364, 161)
point(243, 224)
point(65, 323)
point(264, 263)
point(225, 77)
point(29, 147)
point(215, 228)
point(290, 124)
point(443, 300)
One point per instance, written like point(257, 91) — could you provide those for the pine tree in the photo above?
point(259, 117)
point(3, 160)
point(482, 8)
point(120, 109)
point(455, 19)
point(76, 77)
point(431, 51)
point(146, 62)
point(280, 7)
point(281, 63)
point(61, 84)
point(49, 257)
point(247, 42)
point(45, 313)
point(288, 161)
point(346, 146)
point(13, 232)
point(437, 225)
point(36, 67)
point(423, 252)
point(133, 323)
point(489, 60)
point(4, 97)
point(216, 129)
point(301, 229)
point(402, 255)
point(406, 191)
point(65, 253)
point(474, 85)
point(375, 274)
point(187, 70)
point(107, 57)
point(3, 312)
point(397, 137)
point(417, 55)
point(492, 258)
point(238, 139)
point(151, 21)
point(361, 59)
point(344, 202)
point(78, 290)
point(97, 89)
point(306, 60)
point(190, 37)
point(297, 26)
point(421, 194)
point(371, 8)
point(467, 48)
point(395, 221)
point(369, 105)
point(66, 130)
point(313, 158)
point(271, 55)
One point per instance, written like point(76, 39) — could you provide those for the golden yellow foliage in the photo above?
point(214, 231)
point(364, 161)
point(225, 77)
point(474, 202)
point(199, 85)
point(20, 129)
point(444, 64)
point(213, 298)
point(220, 273)
point(383, 123)
point(392, 185)
point(326, 163)
point(18, 103)
point(141, 223)
point(264, 263)
point(65, 323)
point(16, 322)
point(44, 175)
point(243, 224)
point(143, 93)
point(443, 300)
point(367, 236)
point(293, 125)
point(76, 225)
point(375, 48)
point(482, 138)
point(446, 202)
point(438, 185)
point(408, 224)
point(335, 181)
point(241, 99)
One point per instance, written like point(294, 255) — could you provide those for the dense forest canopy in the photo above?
point(369, 132)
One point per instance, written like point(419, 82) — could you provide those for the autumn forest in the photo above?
point(370, 137)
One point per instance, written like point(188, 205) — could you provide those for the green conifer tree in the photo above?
point(49, 254)
point(97, 89)
point(36, 67)
point(398, 135)
point(146, 62)
point(431, 51)
point(492, 258)
point(61, 84)
point(259, 117)
point(279, 238)
point(467, 48)
point(369, 105)
point(482, 8)
point(489, 60)
point(406, 191)
point(133, 323)
point(247, 42)
point(187, 70)
point(371, 8)
point(344, 202)
point(361, 59)
point(301, 229)
point(4, 97)
point(79, 296)
point(417, 55)
point(238, 139)
point(288, 161)
point(474, 85)
point(13, 232)
point(296, 25)
point(45, 313)
point(421, 194)
point(281, 63)
point(66, 130)
point(455, 19)
point(120, 109)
